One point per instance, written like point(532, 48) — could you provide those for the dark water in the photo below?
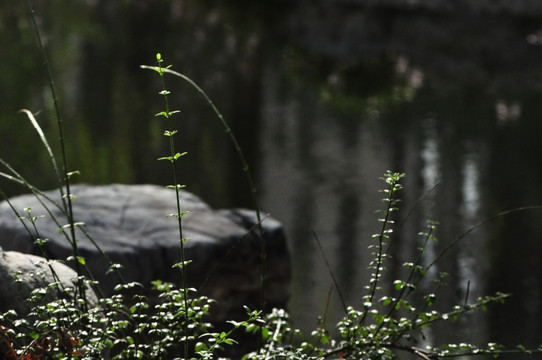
point(323, 99)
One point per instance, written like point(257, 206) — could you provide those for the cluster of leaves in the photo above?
point(384, 325)
point(67, 328)
point(127, 325)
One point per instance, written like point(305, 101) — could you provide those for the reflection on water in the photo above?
point(322, 108)
point(314, 170)
point(431, 177)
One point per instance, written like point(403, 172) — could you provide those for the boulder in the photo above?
point(130, 224)
point(21, 273)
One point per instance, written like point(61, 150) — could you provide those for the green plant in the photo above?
point(384, 325)
point(122, 326)
point(244, 165)
point(172, 158)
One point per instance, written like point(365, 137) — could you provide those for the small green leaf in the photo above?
point(200, 346)
point(386, 300)
point(75, 224)
point(70, 196)
point(430, 299)
point(79, 259)
point(175, 215)
point(180, 264)
point(155, 68)
point(252, 328)
point(71, 173)
point(170, 133)
point(178, 155)
point(178, 186)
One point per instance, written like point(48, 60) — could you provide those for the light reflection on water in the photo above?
point(324, 185)
point(431, 176)
point(316, 178)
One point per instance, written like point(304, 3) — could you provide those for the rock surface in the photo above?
point(32, 273)
point(130, 224)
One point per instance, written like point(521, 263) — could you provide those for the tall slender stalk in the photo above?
point(246, 169)
point(392, 179)
point(65, 179)
point(172, 158)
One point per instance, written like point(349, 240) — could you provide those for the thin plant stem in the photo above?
point(392, 179)
point(29, 231)
point(66, 199)
point(476, 226)
point(173, 157)
point(246, 169)
point(39, 195)
point(335, 282)
point(45, 143)
point(410, 276)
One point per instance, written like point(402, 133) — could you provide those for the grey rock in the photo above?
point(130, 224)
point(32, 272)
